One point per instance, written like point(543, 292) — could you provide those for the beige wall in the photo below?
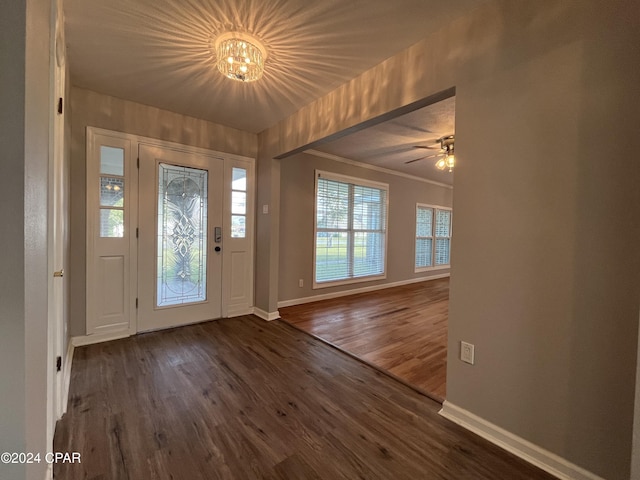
point(24, 136)
point(297, 197)
point(96, 110)
point(545, 280)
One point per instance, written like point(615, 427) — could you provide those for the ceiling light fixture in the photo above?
point(240, 56)
point(449, 159)
point(446, 157)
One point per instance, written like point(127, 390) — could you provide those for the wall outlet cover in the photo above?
point(467, 352)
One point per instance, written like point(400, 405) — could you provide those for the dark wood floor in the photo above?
point(245, 399)
point(402, 330)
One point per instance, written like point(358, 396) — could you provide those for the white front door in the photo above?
point(180, 238)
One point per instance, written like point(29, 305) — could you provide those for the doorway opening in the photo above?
point(397, 323)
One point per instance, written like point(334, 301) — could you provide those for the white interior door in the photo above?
point(180, 238)
point(56, 228)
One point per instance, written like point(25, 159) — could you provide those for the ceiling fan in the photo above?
point(447, 158)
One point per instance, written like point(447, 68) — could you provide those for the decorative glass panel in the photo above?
point(111, 161)
point(111, 223)
point(423, 252)
point(238, 229)
point(111, 192)
point(239, 203)
point(239, 179)
point(182, 235)
point(442, 251)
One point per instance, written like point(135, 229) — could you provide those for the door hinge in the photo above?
point(138, 162)
point(58, 363)
point(136, 303)
point(60, 106)
point(137, 232)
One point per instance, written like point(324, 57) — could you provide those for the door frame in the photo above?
point(231, 305)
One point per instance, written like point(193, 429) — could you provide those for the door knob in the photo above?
point(59, 273)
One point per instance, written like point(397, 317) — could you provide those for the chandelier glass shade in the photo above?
point(240, 56)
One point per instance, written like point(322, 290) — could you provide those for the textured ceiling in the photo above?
point(392, 143)
point(157, 52)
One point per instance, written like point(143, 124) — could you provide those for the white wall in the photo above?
point(546, 272)
point(24, 71)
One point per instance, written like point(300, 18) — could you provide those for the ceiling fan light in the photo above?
point(240, 56)
point(451, 161)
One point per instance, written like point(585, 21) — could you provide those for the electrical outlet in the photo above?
point(467, 352)
point(301, 283)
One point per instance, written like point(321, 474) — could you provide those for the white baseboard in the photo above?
point(541, 458)
point(83, 340)
point(268, 316)
point(353, 291)
point(66, 379)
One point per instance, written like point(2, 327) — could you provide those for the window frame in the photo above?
point(433, 237)
point(354, 181)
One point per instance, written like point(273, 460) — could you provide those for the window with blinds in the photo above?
point(350, 229)
point(433, 237)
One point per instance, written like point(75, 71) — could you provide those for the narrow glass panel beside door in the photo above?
point(182, 235)
point(238, 202)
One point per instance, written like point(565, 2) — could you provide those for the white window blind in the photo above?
point(350, 237)
point(433, 236)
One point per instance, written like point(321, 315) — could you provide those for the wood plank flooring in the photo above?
point(402, 330)
point(244, 399)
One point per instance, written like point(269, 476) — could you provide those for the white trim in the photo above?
point(180, 147)
point(431, 269)
point(82, 340)
point(48, 473)
point(268, 316)
point(346, 281)
point(369, 166)
point(538, 456)
point(66, 379)
point(361, 182)
point(345, 293)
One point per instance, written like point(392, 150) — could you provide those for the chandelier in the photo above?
point(240, 56)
